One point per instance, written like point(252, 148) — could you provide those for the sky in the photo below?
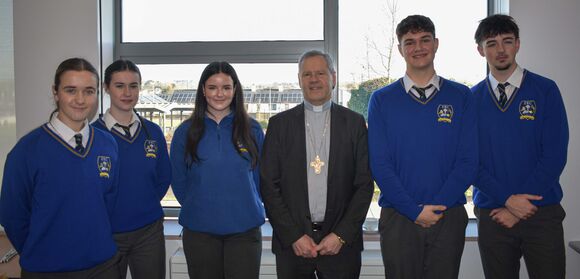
point(456, 57)
point(362, 24)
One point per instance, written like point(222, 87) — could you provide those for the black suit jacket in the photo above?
point(284, 183)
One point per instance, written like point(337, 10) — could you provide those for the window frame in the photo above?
point(240, 51)
point(231, 51)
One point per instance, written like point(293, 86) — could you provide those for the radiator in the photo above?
point(372, 264)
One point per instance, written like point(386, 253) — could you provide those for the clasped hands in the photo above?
point(307, 248)
point(430, 215)
point(517, 207)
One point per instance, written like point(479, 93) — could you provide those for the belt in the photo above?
point(317, 226)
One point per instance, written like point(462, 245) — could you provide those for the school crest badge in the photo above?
point(528, 110)
point(104, 166)
point(444, 113)
point(151, 149)
point(241, 148)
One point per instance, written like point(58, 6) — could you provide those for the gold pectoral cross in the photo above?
point(317, 164)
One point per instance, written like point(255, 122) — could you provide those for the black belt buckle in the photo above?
point(316, 226)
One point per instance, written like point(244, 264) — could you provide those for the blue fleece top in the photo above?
point(145, 174)
point(524, 146)
point(422, 153)
point(219, 194)
point(55, 203)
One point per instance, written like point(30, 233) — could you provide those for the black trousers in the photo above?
point(540, 240)
point(143, 251)
point(412, 252)
point(230, 256)
point(106, 270)
point(345, 265)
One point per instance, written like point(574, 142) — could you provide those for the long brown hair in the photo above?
point(241, 135)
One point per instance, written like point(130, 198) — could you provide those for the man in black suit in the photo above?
point(316, 183)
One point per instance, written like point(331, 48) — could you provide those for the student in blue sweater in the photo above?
point(214, 155)
point(145, 174)
point(523, 142)
point(60, 185)
point(423, 156)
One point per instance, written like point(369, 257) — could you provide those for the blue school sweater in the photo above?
point(219, 194)
point(524, 146)
point(55, 203)
point(145, 174)
point(422, 153)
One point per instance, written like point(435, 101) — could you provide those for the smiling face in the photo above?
point(219, 93)
point(316, 80)
point(418, 49)
point(500, 52)
point(124, 91)
point(76, 98)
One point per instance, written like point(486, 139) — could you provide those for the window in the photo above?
point(230, 20)
point(369, 58)
point(173, 40)
point(168, 94)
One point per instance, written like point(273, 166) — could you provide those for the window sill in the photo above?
point(173, 231)
point(575, 245)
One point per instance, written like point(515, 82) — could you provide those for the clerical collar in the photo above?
point(321, 108)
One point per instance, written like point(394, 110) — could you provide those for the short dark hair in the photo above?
point(494, 25)
point(120, 66)
point(414, 24)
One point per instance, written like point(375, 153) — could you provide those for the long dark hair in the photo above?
point(241, 136)
point(71, 64)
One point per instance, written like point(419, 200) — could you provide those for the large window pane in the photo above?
point(366, 42)
point(168, 94)
point(243, 29)
point(369, 57)
point(228, 20)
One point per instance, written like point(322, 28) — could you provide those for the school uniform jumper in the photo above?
point(137, 221)
point(220, 200)
point(422, 153)
point(56, 203)
point(523, 150)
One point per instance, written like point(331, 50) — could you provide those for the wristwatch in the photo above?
point(340, 239)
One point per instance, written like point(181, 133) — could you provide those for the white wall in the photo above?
point(45, 34)
point(550, 41)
